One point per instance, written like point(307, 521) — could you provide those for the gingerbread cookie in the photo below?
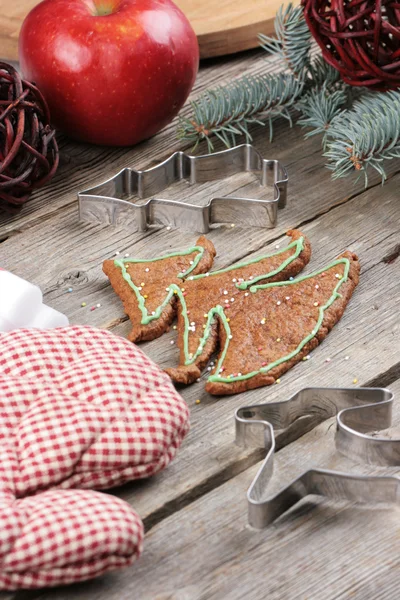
point(287, 321)
point(143, 286)
point(207, 302)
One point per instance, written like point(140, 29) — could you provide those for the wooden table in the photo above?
point(198, 544)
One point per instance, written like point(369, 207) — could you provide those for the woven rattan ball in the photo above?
point(360, 38)
point(28, 148)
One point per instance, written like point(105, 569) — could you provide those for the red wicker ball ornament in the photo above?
point(28, 148)
point(359, 38)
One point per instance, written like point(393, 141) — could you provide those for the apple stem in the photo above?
point(102, 8)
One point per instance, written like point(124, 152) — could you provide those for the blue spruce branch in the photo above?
point(293, 39)
point(322, 75)
point(365, 136)
point(226, 112)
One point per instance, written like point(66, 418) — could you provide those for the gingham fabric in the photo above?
point(80, 408)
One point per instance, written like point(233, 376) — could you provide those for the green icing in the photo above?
point(298, 244)
point(146, 318)
point(216, 310)
point(322, 310)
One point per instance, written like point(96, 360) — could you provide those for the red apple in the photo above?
point(112, 71)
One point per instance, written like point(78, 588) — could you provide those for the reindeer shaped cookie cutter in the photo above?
point(358, 411)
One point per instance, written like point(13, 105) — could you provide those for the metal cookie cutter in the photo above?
point(357, 411)
point(105, 203)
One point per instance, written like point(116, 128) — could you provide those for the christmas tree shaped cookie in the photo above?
point(143, 286)
point(274, 327)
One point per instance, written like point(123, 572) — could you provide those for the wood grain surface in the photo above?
point(198, 544)
point(222, 28)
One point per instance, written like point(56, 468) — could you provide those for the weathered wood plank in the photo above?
point(320, 549)
point(366, 224)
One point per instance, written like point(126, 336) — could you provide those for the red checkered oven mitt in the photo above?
point(81, 409)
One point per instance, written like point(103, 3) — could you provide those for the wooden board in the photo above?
point(222, 27)
point(228, 26)
point(198, 545)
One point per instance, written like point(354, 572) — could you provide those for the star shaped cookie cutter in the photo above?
point(358, 411)
point(107, 202)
